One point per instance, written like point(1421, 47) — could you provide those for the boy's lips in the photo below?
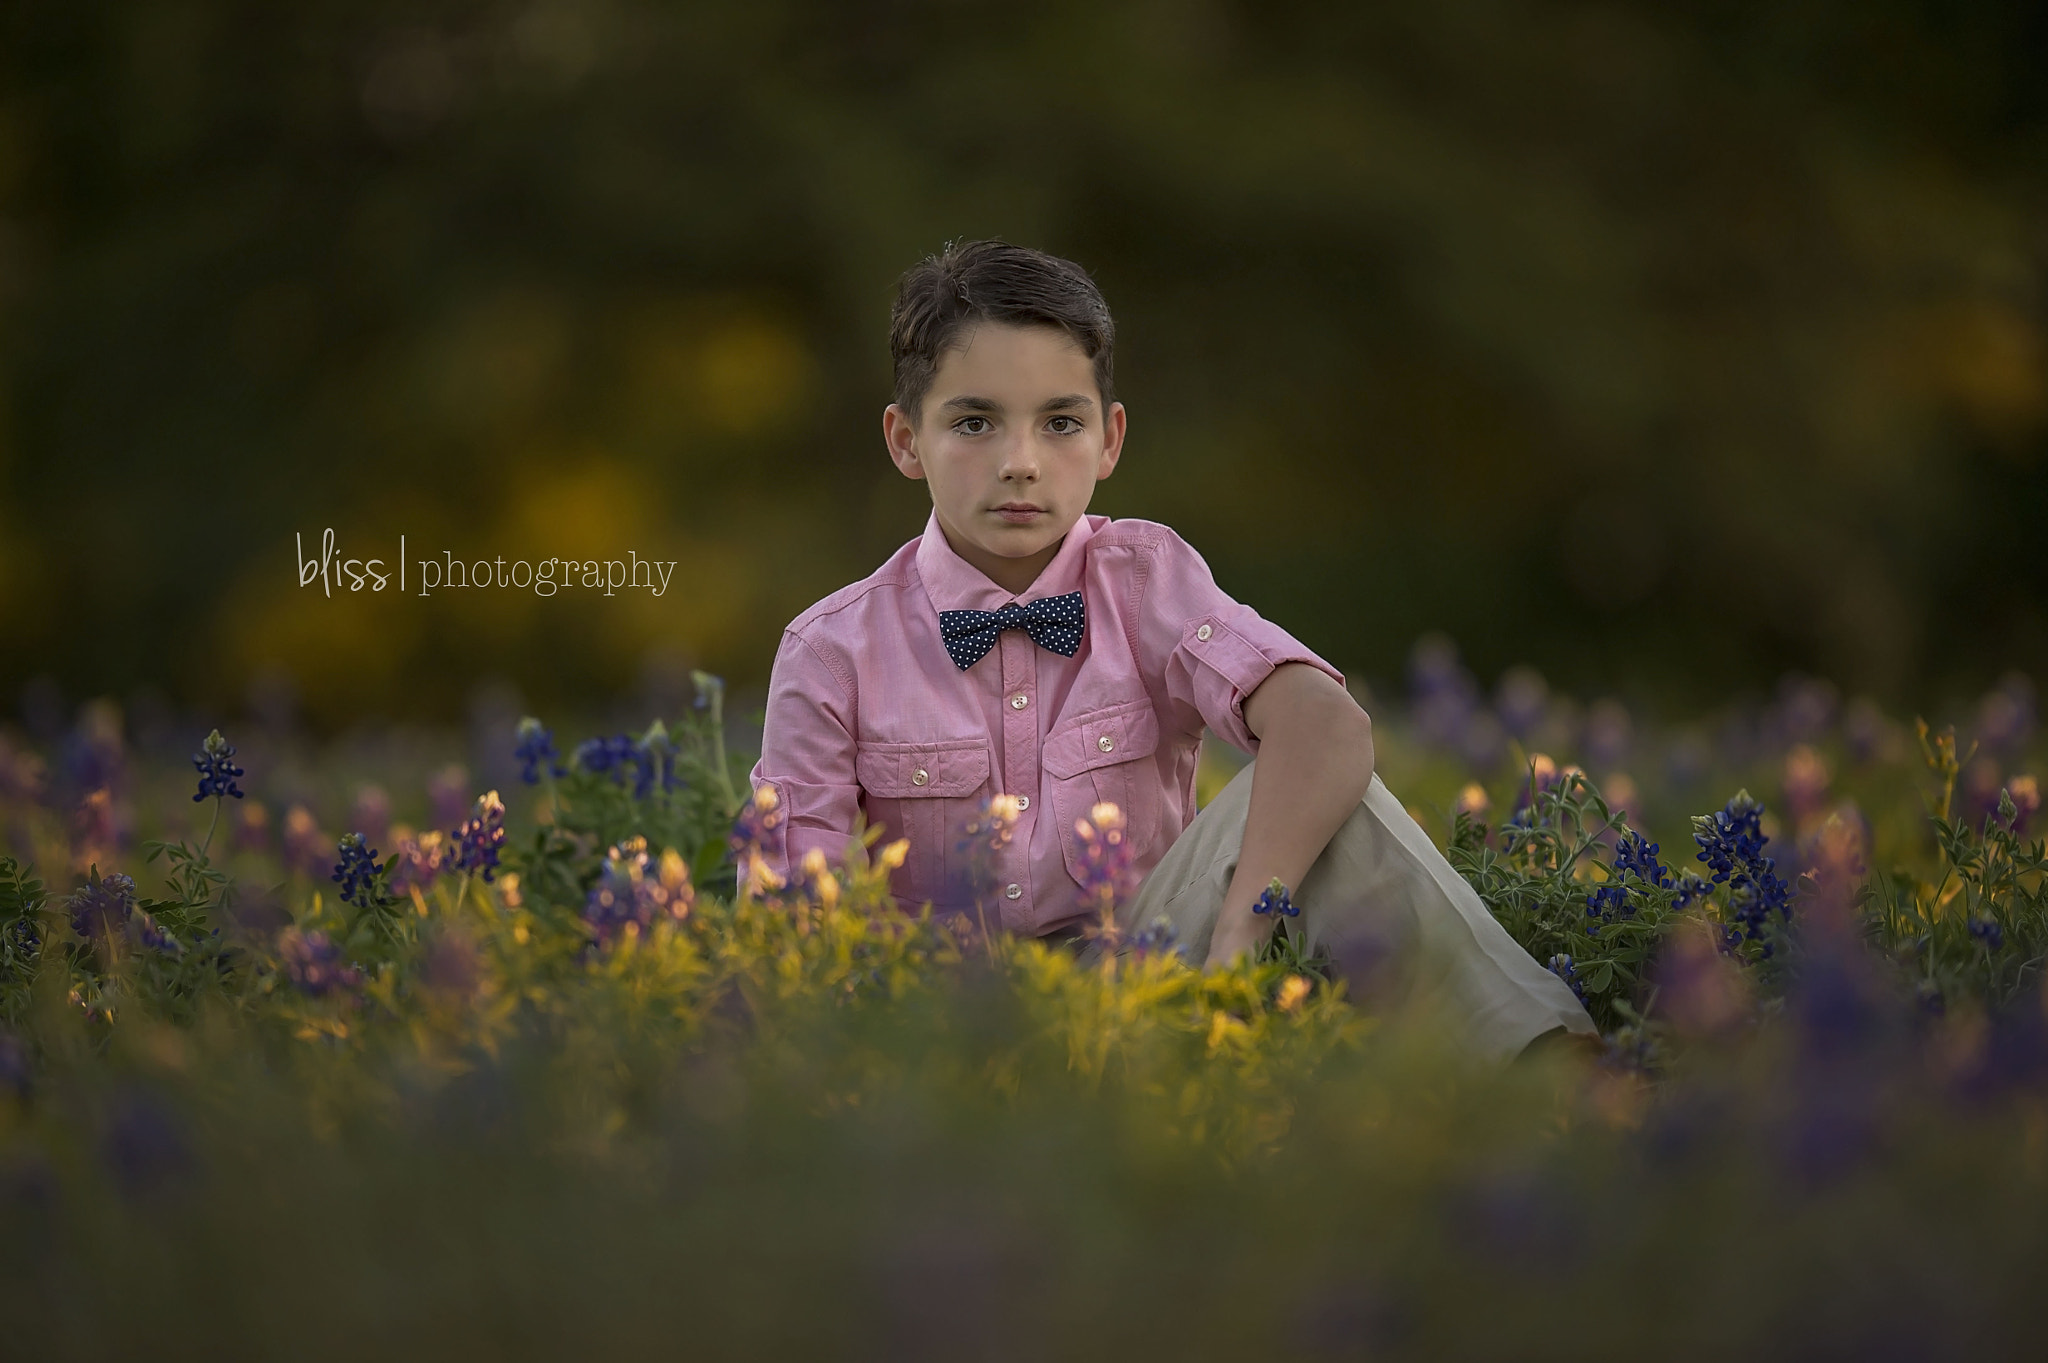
point(1019, 513)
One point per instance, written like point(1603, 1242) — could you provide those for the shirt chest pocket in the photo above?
point(1107, 755)
point(926, 792)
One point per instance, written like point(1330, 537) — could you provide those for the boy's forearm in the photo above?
point(1315, 764)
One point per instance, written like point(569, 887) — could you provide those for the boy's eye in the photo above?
point(963, 423)
point(1073, 426)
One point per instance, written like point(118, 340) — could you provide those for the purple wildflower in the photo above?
point(1607, 901)
point(1443, 693)
point(758, 839)
point(1275, 899)
point(1692, 888)
point(420, 860)
point(305, 844)
point(315, 963)
point(1988, 931)
point(1522, 699)
point(154, 937)
point(1107, 878)
point(101, 907)
point(1562, 966)
point(613, 755)
point(217, 769)
point(1731, 843)
point(536, 746)
point(1637, 856)
point(356, 872)
point(477, 841)
point(654, 754)
point(635, 890)
point(1156, 936)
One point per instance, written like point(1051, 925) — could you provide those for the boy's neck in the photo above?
point(1013, 575)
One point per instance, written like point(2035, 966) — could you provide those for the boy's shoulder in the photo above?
point(896, 575)
point(1132, 533)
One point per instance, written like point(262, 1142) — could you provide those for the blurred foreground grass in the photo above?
point(563, 1092)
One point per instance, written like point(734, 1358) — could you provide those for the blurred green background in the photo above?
point(1664, 346)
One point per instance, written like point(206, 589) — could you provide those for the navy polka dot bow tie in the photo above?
point(1053, 622)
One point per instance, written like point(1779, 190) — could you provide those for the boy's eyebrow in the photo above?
point(969, 402)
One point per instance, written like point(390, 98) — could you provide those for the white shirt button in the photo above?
point(1106, 743)
point(1203, 633)
point(919, 777)
point(1023, 802)
point(1019, 701)
point(1014, 892)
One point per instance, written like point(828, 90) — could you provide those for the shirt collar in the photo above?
point(953, 583)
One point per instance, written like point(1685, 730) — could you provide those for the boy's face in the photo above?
point(1012, 441)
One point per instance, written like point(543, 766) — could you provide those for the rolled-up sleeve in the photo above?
point(807, 755)
point(1211, 651)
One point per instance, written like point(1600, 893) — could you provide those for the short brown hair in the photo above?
point(974, 281)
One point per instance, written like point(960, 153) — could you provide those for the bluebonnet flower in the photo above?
point(420, 860)
point(634, 891)
point(1522, 699)
point(1274, 899)
point(1987, 931)
point(536, 746)
point(1731, 842)
point(710, 689)
point(1156, 936)
point(155, 937)
point(1443, 694)
point(356, 872)
point(1107, 878)
point(101, 906)
point(757, 836)
point(22, 938)
point(1692, 888)
point(1732, 838)
point(1636, 855)
point(613, 754)
point(654, 754)
point(217, 769)
point(315, 963)
point(94, 756)
point(477, 841)
point(1607, 901)
point(1562, 966)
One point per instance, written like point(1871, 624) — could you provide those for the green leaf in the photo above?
point(1602, 979)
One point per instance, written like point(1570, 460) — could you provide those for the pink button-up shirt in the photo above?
point(868, 714)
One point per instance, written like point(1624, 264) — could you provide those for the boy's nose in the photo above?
point(1020, 463)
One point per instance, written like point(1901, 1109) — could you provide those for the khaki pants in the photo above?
point(1404, 928)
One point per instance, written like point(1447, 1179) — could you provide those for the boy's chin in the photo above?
point(1023, 541)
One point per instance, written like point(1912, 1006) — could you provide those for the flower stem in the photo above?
point(210, 829)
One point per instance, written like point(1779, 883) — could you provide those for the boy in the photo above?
point(1024, 647)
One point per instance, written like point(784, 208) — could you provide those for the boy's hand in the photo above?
point(1236, 935)
point(1315, 764)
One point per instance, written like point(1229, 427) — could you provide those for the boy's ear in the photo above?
point(1112, 442)
point(900, 434)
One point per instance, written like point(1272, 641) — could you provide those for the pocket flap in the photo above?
point(909, 771)
point(1102, 737)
